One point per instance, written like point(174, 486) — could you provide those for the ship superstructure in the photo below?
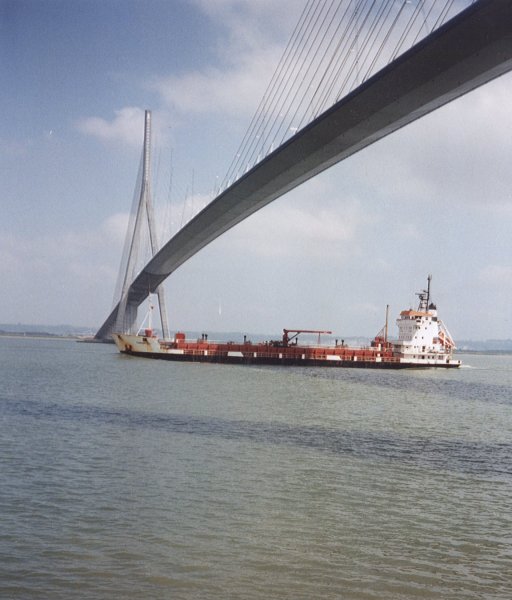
point(422, 336)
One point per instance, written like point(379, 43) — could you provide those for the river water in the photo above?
point(130, 478)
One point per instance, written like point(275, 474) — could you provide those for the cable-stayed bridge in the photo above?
point(465, 52)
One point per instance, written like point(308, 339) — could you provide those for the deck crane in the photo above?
point(287, 338)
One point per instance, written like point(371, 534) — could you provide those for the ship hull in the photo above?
point(288, 362)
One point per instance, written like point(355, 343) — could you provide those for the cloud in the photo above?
point(315, 223)
point(114, 227)
point(234, 90)
point(59, 271)
point(10, 255)
point(244, 56)
point(288, 231)
point(251, 37)
point(496, 275)
point(250, 24)
point(56, 254)
point(171, 217)
point(15, 148)
point(127, 126)
point(457, 154)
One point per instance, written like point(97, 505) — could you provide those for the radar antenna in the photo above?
point(424, 297)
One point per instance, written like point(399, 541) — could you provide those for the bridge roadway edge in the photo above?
point(468, 51)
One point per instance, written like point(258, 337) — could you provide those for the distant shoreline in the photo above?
point(89, 339)
point(71, 337)
point(490, 351)
point(39, 336)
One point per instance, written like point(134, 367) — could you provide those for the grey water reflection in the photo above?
point(474, 457)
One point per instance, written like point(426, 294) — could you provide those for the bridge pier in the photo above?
point(126, 321)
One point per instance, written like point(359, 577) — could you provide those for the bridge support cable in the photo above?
point(349, 79)
point(335, 47)
point(268, 97)
point(347, 55)
point(275, 98)
point(321, 93)
point(420, 6)
point(466, 52)
point(322, 39)
point(304, 62)
point(128, 242)
point(308, 61)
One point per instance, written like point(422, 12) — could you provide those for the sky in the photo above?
point(76, 76)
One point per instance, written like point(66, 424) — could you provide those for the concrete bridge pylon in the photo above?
point(126, 319)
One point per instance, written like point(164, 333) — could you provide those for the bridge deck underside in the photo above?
point(470, 50)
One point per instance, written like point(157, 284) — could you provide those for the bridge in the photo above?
point(466, 52)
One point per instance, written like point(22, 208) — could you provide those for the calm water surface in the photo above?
point(130, 478)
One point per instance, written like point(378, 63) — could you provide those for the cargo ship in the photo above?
point(423, 342)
